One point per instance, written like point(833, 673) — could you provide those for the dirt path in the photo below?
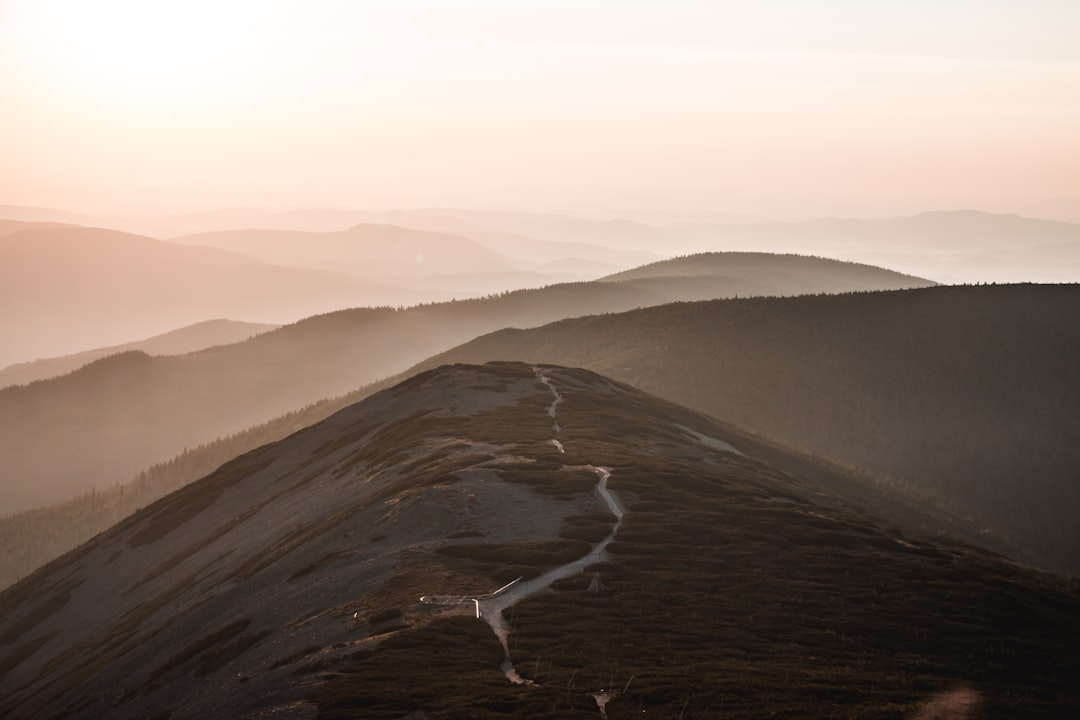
point(555, 428)
point(491, 608)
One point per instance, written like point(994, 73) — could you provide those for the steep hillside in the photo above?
point(670, 565)
point(191, 338)
point(66, 289)
point(126, 412)
point(963, 395)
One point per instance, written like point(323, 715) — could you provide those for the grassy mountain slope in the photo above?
point(32, 538)
point(123, 413)
point(286, 584)
point(962, 395)
point(191, 338)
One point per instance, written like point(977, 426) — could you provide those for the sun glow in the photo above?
point(566, 104)
point(134, 50)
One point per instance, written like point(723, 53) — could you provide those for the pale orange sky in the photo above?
point(773, 108)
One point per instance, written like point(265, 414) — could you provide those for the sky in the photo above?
point(769, 108)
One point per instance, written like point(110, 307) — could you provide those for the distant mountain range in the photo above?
point(369, 249)
point(67, 289)
point(958, 246)
point(429, 261)
point(947, 246)
point(669, 565)
point(122, 413)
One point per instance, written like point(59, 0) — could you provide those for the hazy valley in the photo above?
point(125, 412)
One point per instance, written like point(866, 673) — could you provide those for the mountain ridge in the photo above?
point(288, 583)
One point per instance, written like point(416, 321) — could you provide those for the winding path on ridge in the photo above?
point(543, 377)
point(490, 609)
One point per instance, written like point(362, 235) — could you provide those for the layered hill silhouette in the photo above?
point(423, 260)
point(373, 250)
point(669, 564)
point(191, 338)
point(9, 226)
point(965, 396)
point(67, 289)
point(948, 246)
point(954, 246)
point(122, 413)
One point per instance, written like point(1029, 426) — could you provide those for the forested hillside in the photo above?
point(963, 395)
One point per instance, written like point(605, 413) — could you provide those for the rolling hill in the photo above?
point(754, 273)
point(123, 413)
point(669, 565)
point(199, 336)
point(8, 226)
point(949, 246)
point(964, 396)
